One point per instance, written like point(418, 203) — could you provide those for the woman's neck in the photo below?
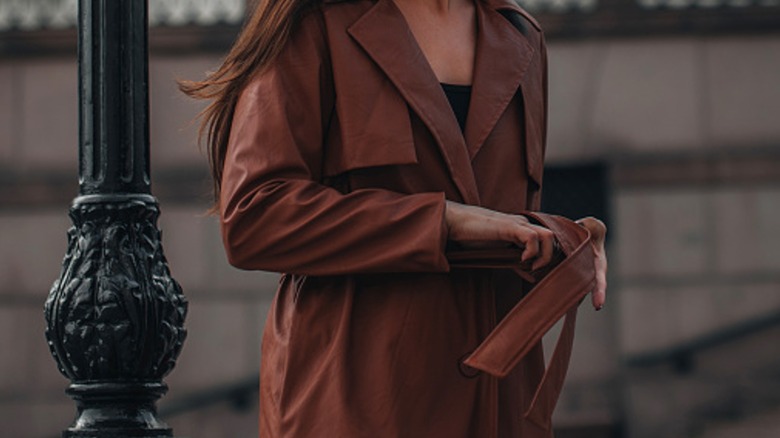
point(445, 31)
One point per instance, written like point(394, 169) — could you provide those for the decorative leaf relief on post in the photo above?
point(115, 313)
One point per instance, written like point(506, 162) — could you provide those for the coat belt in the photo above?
point(557, 295)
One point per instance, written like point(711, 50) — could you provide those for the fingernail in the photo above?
point(599, 308)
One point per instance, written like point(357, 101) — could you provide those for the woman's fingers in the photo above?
point(472, 225)
point(599, 294)
point(547, 246)
point(538, 242)
point(526, 237)
point(598, 232)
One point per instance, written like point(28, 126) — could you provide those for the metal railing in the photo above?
point(240, 394)
point(682, 355)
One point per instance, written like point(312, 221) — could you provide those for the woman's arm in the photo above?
point(472, 225)
point(277, 216)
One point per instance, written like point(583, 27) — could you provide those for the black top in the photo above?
point(459, 97)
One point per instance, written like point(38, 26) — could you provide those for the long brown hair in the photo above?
point(260, 41)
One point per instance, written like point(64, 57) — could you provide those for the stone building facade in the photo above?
point(665, 112)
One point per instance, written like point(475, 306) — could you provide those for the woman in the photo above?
point(339, 160)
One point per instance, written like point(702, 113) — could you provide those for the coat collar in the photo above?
point(503, 57)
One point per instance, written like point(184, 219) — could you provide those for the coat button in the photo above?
point(465, 370)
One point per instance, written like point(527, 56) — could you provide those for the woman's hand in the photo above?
point(598, 232)
point(476, 226)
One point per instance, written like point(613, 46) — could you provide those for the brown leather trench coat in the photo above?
point(340, 159)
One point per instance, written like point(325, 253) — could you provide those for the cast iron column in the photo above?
point(115, 317)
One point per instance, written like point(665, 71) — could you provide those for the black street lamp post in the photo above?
point(115, 317)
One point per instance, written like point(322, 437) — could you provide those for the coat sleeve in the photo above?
point(276, 215)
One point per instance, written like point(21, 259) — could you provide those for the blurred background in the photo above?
point(665, 121)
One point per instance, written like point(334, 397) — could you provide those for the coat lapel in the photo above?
point(385, 36)
point(503, 58)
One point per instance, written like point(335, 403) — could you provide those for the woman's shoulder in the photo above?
point(348, 3)
point(325, 14)
point(511, 8)
point(345, 10)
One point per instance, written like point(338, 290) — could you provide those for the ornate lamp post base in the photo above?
point(117, 410)
point(115, 317)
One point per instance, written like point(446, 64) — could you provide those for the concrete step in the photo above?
point(763, 425)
